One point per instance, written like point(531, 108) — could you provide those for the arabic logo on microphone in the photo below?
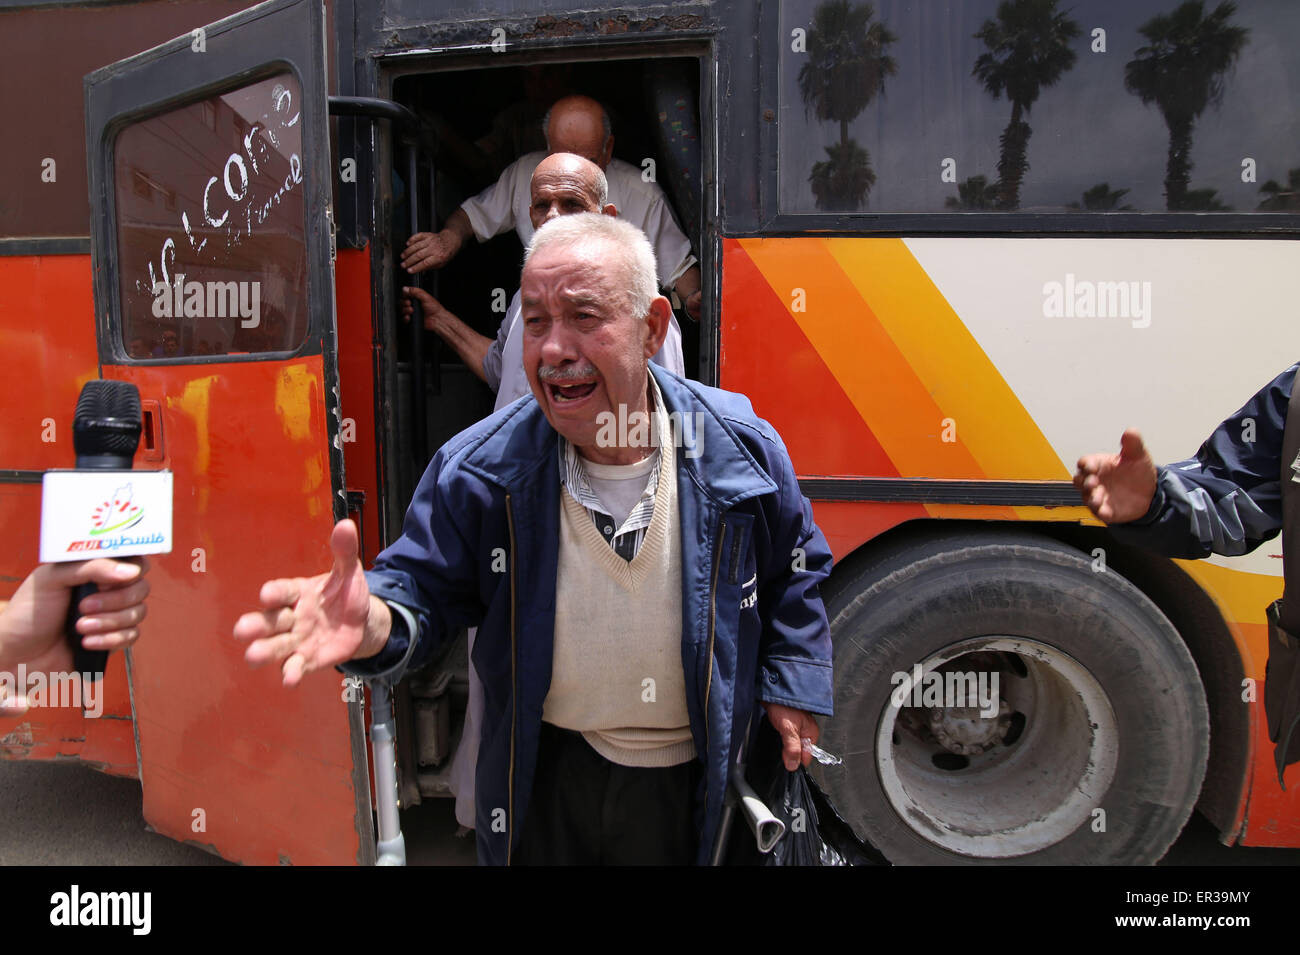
point(116, 515)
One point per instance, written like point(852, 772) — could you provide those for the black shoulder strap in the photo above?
point(1290, 489)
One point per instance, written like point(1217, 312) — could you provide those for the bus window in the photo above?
point(895, 107)
point(211, 227)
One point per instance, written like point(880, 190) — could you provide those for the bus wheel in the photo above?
point(998, 701)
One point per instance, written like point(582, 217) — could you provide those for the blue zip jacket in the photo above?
point(1228, 499)
point(480, 548)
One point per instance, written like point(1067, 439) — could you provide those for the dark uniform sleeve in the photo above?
point(1226, 500)
point(795, 646)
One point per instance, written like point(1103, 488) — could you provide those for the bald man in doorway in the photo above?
point(579, 125)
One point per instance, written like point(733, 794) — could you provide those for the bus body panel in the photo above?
point(47, 332)
point(229, 758)
point(48, 336)
point(200, 605)
point(947, 360)
point(938, 359)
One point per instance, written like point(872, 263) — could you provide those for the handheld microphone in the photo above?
point(103, 508)
point(106, 425)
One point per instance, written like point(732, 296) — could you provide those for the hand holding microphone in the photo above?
point(102, 509)
point(32, 623)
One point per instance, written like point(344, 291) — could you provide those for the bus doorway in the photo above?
point(483, 120)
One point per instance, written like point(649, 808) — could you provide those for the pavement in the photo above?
point(68, 814)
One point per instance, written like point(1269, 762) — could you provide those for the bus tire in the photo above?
point(1096, 751)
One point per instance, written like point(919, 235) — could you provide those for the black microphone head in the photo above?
point(106, 426)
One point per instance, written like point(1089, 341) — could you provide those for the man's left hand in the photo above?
point(794, 726)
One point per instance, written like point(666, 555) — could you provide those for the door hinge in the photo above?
point(329, 221)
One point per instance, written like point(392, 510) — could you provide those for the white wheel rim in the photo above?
point(1020, 797)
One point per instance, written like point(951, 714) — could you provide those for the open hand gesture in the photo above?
point(1118, 487)
point(312, 623)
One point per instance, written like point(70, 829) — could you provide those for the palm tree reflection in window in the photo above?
point(1281, 199)
point(1028, 49)
point(974, 193)
point(846, 69)
point(1101, 198)
point(1181, 70)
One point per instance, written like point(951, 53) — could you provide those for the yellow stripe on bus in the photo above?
point(990, 420)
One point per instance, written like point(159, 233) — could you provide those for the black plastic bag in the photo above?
point(815, 834)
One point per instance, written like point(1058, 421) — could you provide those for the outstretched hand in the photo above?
point(1118, 487)
point(312, 623)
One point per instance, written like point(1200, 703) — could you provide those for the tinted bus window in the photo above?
point(981, 105)
point(211, 226)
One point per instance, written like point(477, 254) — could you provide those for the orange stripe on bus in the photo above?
point(766, 356)
point(874, 373)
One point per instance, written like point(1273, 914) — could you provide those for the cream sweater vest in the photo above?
point(616, 672)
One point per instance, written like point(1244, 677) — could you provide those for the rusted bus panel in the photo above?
point(405, 24)
point(105, 742)
point(47, 334)
point(20, 516)
point(271, 769)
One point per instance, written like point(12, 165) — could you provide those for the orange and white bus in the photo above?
point(947, 248)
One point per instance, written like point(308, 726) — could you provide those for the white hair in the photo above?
point(633, 247)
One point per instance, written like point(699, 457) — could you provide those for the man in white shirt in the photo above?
point(562, 184)
point(574, 124)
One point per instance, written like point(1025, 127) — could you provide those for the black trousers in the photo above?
point(585, 810)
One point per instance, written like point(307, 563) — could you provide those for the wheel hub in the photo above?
point(999, 785)
point(964, 730)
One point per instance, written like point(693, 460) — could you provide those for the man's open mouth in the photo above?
point(562, 393)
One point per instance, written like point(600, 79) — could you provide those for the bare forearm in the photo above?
point(467, 343)
point(458, 225)
point(688, 283)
